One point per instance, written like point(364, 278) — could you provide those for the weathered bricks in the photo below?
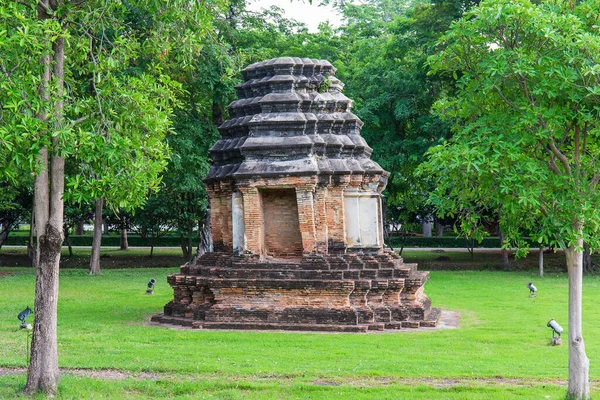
point(261, 294)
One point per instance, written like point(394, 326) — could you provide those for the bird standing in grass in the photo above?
point(532, 290)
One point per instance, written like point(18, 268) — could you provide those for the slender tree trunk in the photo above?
point(541, 261)
point(68, 241)
point(3, 234)
point(426, 226)
point(579, 364)
point(587, 258)
point(79, 228)
point(123, 239)
point(43, 373)
point(184, 248)
point(97, 241)
point(439, 229)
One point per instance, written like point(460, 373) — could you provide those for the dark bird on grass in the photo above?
point(532, 289)
point(23, 316)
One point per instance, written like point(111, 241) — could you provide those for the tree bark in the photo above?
point(79, 228)
point(97, 241)
point(426, 226)
point(184, 248)
point(43, 373)
point(123, 239)
point(68, 241)
point(541, 261)
point(578, 362)
point(439, 229)
point(587, 258)
point(31, 247)
point(3, 235)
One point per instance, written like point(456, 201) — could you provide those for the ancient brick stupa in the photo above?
point(296, 217)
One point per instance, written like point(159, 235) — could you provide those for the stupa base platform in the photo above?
point(329, 293)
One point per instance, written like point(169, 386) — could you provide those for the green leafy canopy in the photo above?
point(526, 116)
point(120, 90)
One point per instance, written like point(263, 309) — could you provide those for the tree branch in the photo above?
point(80, 120)
point(562, 158)
point(506, 100)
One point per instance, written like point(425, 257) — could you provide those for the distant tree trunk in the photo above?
point(587, 258)
point(470, 244)
point(123, 239)
point(79, 228)
point(439, 229)
point(184, 247)
point(186, 243)
point(541, 261)
point(43, 373)
point(68, 241)
point(426, 226)
point(97, 241)
point(504, 252)
point(104, 227)
point(3, 234)
point(579, 364)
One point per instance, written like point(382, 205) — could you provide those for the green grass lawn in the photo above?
point(502, 335)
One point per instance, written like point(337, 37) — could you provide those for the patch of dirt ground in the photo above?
point(113, 374)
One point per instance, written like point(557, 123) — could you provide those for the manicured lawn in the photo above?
point(109, 257)
point(502, 335)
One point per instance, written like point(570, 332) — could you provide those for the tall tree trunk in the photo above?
point(123, 239)
point(426, 226)
point(184, 248)
point(43, 373)
point(68, 241)
point(31, 247)
point(439, 229)
point(579, 364)
point(97, 241)
point(541, 261)
point(504, 252)
point(186, 243)
point(79, 228)
point(587, 258)
point(3, 234)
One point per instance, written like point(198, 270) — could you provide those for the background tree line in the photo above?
point(380, 51)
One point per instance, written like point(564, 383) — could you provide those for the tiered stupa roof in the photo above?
point(291, 119)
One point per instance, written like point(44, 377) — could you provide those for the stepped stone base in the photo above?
point(332, 293)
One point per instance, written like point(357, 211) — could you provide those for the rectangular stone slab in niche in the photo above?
point(296, 217)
